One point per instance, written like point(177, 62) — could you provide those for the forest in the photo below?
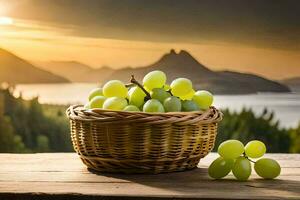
point(26, 126)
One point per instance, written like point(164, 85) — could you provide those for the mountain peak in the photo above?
point(183, 59)
point(181, 53)
point(172, 51)
point(184, 53)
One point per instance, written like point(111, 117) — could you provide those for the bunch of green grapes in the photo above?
point(113, 96)
point(236, 157)
point(153, 95)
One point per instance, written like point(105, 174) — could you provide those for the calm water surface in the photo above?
point(285, 106)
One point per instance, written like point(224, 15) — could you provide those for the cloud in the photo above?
point(267, 23)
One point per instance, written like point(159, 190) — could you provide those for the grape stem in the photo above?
point(129, 85)
point(134, 81)
point(248, 158)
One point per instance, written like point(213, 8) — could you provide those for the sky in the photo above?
point(257, 36)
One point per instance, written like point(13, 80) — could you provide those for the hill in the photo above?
point(14, 70)
point(293, 83)
point(76, 71)
point(183, 64)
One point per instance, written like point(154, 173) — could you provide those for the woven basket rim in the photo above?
point(77, 112)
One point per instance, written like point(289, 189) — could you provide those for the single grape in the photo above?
point(267, 168)
point(95, 92)
point(242, 169)
point(189, 105)
point(181, 87)
point(136, 96)
point(220, 168)
point(255, 149)
point(166, 87)
point(189, 96)
point(160, 94)
point(87, 106)
point(115, 103)
point(97, 102)
point(203, 98)
point(115, 88)
point(154, 79)
point(153, 105)
point(131, 108)
point(172, 104)
point(231, 149)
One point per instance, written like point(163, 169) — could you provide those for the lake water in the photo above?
point(285, 106)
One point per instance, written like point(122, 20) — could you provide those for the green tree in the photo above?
point(31, 120)
point(295, 137)
point(245, 126)
point(8, 140)
point(42, 143)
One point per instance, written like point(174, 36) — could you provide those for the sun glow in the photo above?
point(6, 21)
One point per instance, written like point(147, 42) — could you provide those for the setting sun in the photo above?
point(6, 21)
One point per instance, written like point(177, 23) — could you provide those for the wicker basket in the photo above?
point(139, 142)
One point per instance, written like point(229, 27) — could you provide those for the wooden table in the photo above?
point(63, 176)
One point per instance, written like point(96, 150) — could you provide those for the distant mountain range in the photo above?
point(76, 71)
point(293, 83)
point(182, 64)
point(14, 69)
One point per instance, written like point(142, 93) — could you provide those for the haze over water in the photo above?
point(286, 106)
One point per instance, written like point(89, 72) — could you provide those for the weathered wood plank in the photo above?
point(63, 176)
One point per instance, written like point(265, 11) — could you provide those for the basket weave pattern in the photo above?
point(139, 142)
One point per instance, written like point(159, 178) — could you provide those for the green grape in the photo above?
point(189, 96)
point(148, 90)
point(166, 87)
point(255, 149)
point(136, 96)
point(95, 92)
point(172, 104)
point(242, 169)
point(220, 168)
point(115, 103)
point(204, 99)
point(131, 108)
point(267, 168)
point(87, 106)
point(189, 105)
point(181, 87)
point(231, 149)
point(97, 102)
point(160, 94)
point(154, 79)
point(115, 88)
point(153, 105)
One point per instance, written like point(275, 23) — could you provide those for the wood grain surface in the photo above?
point(63, 176)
